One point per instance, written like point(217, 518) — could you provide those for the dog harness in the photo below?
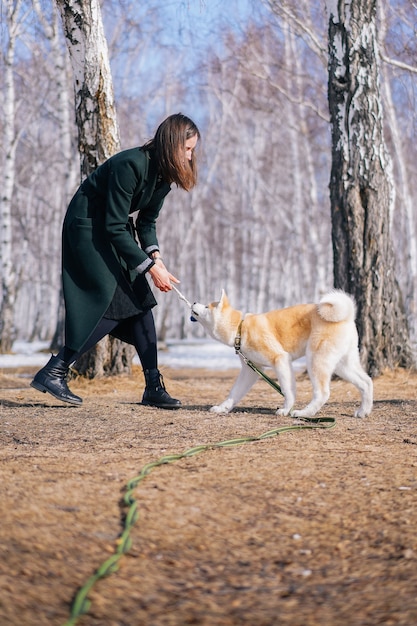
point(238, 337)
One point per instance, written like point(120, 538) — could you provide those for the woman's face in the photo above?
point(190, 145)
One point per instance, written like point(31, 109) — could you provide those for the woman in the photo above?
point(103, 267)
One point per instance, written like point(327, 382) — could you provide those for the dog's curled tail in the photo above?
point(337, 306)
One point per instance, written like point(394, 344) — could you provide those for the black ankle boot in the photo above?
point(51, 379)
point(155, 393)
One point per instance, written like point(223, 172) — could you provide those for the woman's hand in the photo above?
point(161, 277)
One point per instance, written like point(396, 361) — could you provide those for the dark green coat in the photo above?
point(98, 241)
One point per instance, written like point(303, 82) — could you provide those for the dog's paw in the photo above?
point(283, 412)
point(302, 413)
point(361, 412)
point(219, 409)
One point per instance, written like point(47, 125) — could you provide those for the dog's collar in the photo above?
point(238, 337)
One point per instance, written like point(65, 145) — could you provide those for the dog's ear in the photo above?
point(224, 301)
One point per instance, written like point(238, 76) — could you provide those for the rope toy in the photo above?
point(187, 302)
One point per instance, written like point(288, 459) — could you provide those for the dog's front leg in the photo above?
point(246, 379)
point(286, 378)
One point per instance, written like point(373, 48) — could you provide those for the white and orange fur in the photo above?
point(325, 333)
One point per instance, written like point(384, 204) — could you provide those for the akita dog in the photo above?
point(325, 333)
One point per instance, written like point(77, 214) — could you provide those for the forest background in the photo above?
point(255, 82)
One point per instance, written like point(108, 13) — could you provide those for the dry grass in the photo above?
point(310, 527)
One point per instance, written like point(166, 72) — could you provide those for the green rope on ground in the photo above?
point(81, 603)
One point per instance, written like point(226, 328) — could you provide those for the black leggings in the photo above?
point(142, 330)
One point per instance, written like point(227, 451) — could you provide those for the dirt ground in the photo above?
point(305, 528)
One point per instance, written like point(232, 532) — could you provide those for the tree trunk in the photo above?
point(98, 132)
point(404, 223)
point(7, 272)
point(361, 187)
point(98, 137)
point(62, 86)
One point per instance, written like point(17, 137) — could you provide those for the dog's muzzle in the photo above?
point(193, 314)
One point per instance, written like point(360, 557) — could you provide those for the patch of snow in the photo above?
point(193, 353)
point(26, 355)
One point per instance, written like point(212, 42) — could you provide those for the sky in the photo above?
point(192, 21)
point(140, 61)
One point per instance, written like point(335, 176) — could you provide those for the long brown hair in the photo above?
point(169, 145)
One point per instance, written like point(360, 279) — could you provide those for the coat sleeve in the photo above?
point(146, 226)
point(123, 178)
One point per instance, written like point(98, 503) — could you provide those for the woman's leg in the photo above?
point(52, 377)
point(142, 328)
point(103, 328)
point(145, 341)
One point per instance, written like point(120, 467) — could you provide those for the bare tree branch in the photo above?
point(402, 66)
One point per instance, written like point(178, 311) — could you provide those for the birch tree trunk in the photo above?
point(62, 86)
point(7, 177)
point(405, 219)
point(361, 187)
point(98, 137)
point(404, 223)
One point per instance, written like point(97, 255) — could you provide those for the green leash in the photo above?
point(254, 367)
point(262, 374)
point(82, 603)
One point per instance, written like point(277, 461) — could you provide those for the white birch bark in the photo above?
point(65, 128)
point(403, 219)
point(98, 137)
point(7, 178)
point(405, 213)
point(361, 186)
point(96, 120)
